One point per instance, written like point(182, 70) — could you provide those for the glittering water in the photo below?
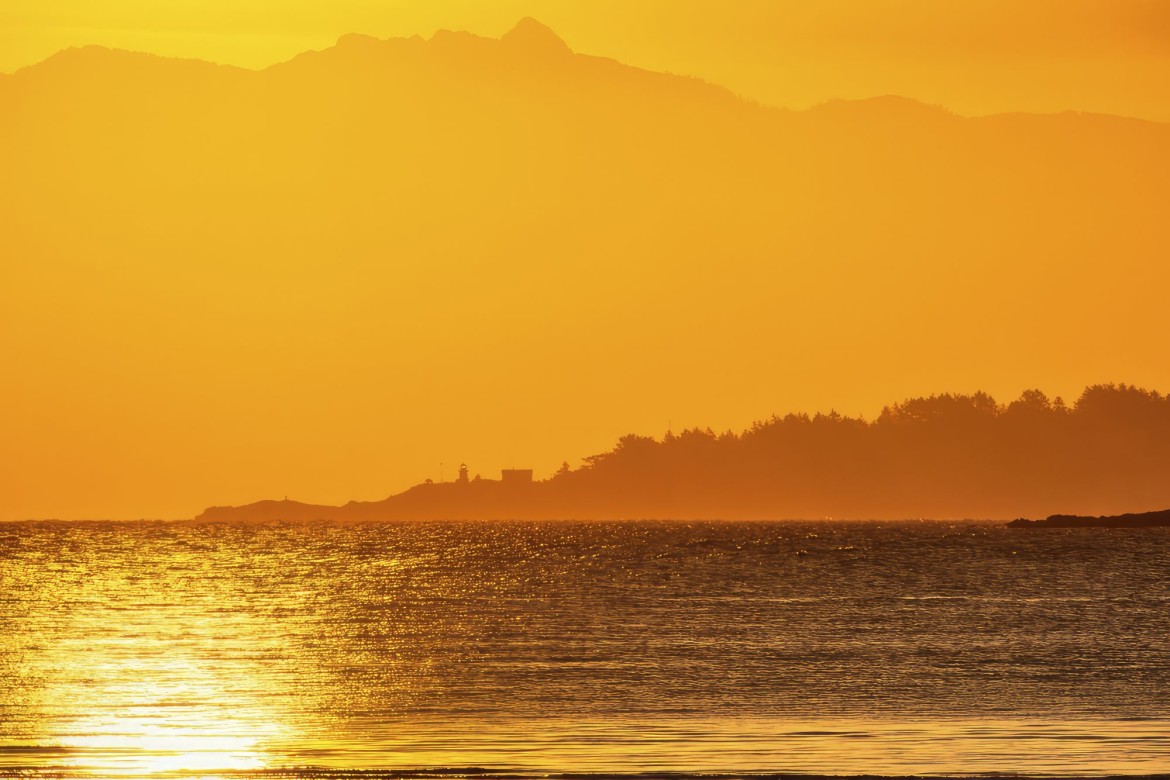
point(150, 649)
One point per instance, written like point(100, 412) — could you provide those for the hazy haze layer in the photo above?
point(326, 278)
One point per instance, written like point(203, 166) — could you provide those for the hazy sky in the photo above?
point(326, 282)
point(975, 56)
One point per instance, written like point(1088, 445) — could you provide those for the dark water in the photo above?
point(145, 649)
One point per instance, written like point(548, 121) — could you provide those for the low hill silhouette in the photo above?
point(1156, 519)
point(946, 456)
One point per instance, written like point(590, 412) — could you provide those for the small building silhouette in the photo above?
point(463, 480)
point(516, 476)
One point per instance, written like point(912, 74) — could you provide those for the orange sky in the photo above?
point(975, 56)
point(325, 280)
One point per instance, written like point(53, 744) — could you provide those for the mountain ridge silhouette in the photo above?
point(529, 37)
point(415, 242)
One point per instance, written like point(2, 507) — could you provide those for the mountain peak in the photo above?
point(533, 36)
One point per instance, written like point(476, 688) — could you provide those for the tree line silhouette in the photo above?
point(942, 456)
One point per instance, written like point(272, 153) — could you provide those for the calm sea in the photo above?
point(155, 649)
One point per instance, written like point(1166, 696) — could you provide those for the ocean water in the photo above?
point(307, 650)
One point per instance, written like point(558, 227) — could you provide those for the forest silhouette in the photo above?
point(946, 456)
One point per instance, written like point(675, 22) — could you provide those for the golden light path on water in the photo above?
point(151, 651)
point(182, 717)
point(147, 712)
point(144, 740)
point(150, 664)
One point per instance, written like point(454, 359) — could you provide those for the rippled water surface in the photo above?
point(149, 649)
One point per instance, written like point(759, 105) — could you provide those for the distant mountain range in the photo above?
point(333, 263)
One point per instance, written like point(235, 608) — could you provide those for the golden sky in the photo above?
point(974, 56)
point(326, 280)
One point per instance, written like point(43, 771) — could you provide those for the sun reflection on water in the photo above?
point(200, 726)
point(142, 748)
point(154, 651)
point(154, 670)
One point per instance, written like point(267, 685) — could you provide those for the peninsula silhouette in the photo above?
point(946, 456)
point(1157, 519)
